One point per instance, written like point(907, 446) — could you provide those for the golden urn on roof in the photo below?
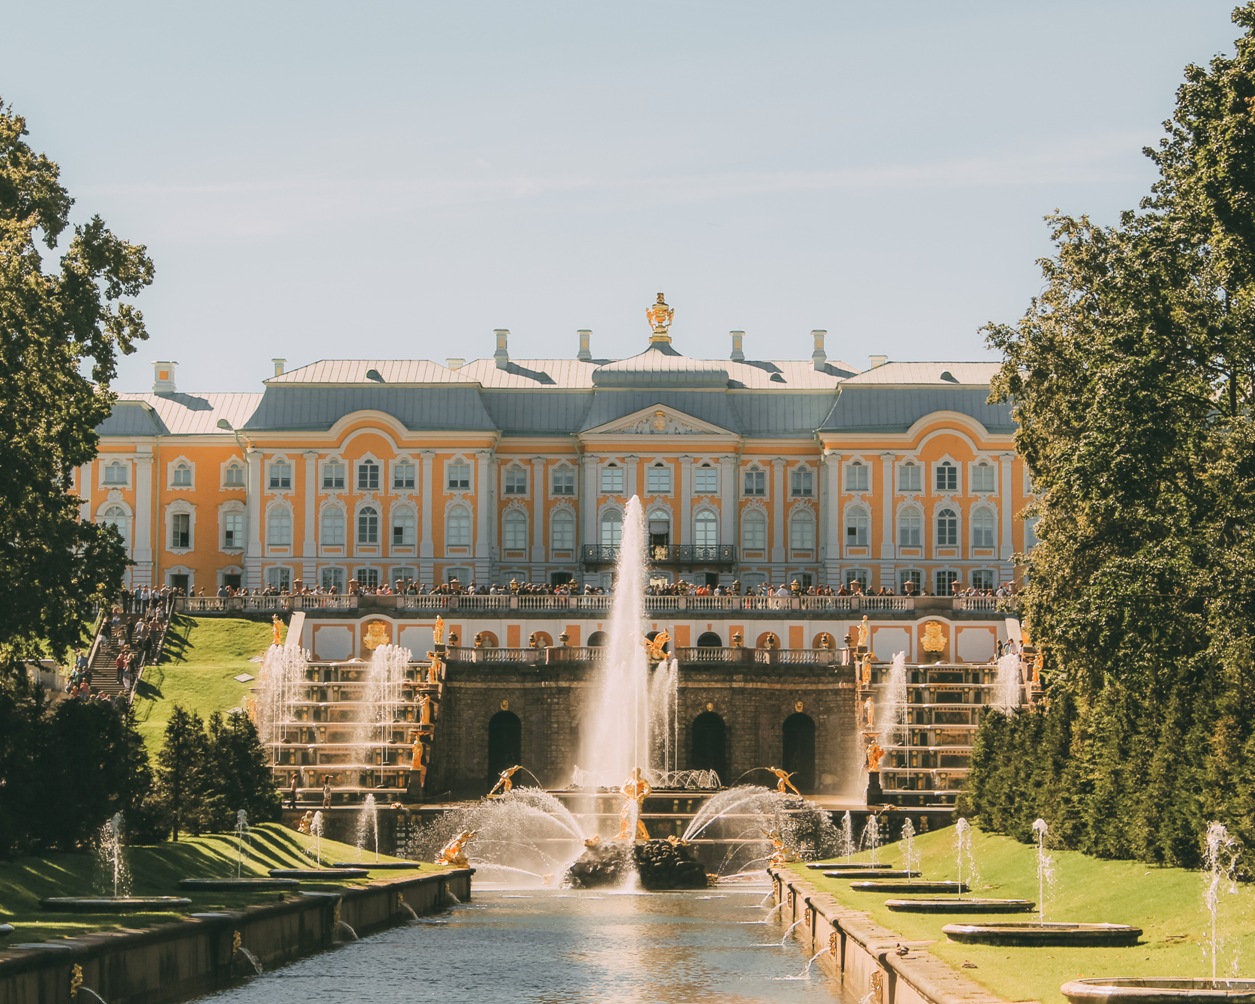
point(659, 317)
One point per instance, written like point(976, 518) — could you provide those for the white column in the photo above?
point(830, 516)
point(588, 500)
point(1006, 506)
point(253, 508)
point(778, 503)
point(686, 502)
point(426, 543)
point(887, 549)
point(485, 543)
point(309, 551)
point(729, 501)
point(147, 517)
point(538, 509)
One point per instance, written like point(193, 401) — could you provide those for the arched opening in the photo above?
point(597, 639)
point(823, 640)
point(710, 745)
point(540, 639)
point(485, 639)
point(799, 750)
point(768, 640)
point(505, 741)
point(708, 639)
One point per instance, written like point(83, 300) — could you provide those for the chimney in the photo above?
point(163, 377)
point(878, 360)
point(501, 355)
point(455, 362)
point(819, 358)
point(738, 354)
point(280, 365)
point(585, 354)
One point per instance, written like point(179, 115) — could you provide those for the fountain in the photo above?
point(962, 904)
point(367, 832)
point(1219, 870)
point(238, 882)
point(1008, 684)
point(115, 876)
point(315, 851)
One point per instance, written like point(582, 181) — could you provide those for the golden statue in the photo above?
point(865, 671)
point(504, 783)
point(875, 753)
point(453, 853)
point(434, 667)
point(660, 317)
point(783, 784)
point(277, 623)
point(781, 855)
point(864, 633)
point(655, 648)
point(306, 821)
point(438, 631)
point(635, 790)
point(424, 704)
point(869, 712)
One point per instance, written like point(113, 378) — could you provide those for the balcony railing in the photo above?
point(702, 656)
point(665, 554)
point(241, 604)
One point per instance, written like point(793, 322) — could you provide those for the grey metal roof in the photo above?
point(929, 373)
point(138, 415)
point(417, 408)
point(661, 366)
point(793, 414)
point(544, 412)
point(711, 407)
point(896, 409)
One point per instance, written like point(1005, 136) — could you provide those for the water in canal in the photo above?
point(561, 947)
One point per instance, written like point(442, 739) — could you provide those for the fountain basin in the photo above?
point(244, 884)
point(318, 873)
point(961, 905)
point(377, 865)
point(848, 866)
point(1028, 933)
point(867, 873)
point(1129, 990)
point(910, 885)
point(113, 904)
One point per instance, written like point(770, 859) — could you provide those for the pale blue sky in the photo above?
point(396, 180)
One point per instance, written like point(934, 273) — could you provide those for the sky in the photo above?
point(396, 180)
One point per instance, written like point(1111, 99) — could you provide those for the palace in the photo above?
point(750, 471)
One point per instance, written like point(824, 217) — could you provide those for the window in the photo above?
point(279, 527)
point(232, 530)
point(332, 578)
point(403, 475)
point(944, 582)
point(181, 476)
point(564, 481)
point(116, 517)
point(706, 480)
point(911, 581)
point(911, 528)
point(368, 525)
point(706, 529)
point(984, 528)
point(860, 575)
point(332, 528)
point(367, 476)
point(983, 578)
point(611, 528)
point(367, 578)
point(857, 477)
point(857, 527)
point(404, 574)
point(404, 527)
point(1030, 533)
point(516, 480)
point(946, 477)
point(562, 531)
point(233, 476)
point(947, 528)
point(754, 531)
point(612, 480)
point(458, 527)
point(333, 475)
point(755, 483)
point(279, 578)
point(514, 531)
point(984, 478)
point(280, 475)
point(180, 531)
point(459, 476)
point(115, 473)
point(910, 477)
point(802, 483)
point(802, 531)
point(658, 480)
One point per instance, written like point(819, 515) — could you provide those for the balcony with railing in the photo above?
point(665, 555)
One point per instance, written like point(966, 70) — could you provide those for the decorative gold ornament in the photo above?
point(709, 706)
point(934, 637)
point(799, 707)
point(659, 421)
point(808, 915)
point(834, 946)
point(505, 705)
point(376, 634)
point(76, 979)
point(236, 942)
point(660, 317)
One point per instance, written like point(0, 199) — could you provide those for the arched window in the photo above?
point(117, 517)
point(515, 480)
point(802, 530)
point(233, 528)
point(332, 527)
point(514, 530)
point(911, 528)
point(706, 480)
point(611, 528)
point(233, 475)
point(458, 476)
point(115, 473)
point(404, 527)
point(367, 476)
point(181, 475)
point(709, 639)
point(754, 531)
point(658, 479)
point(368, 525)
point(984, 528)
point(458, 527)
point(333, 475)
point(984, 477)
point(563, 480)
point(706, 529)
point(279, 527)
point(857, 527)
point(946, 478)
point(947, 528)
point(910, 478)
point(857, 476)
point(280, 478)
point(562, 530)
point(612, 480)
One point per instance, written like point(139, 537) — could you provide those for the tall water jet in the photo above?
point(111, 857)
point(368, 825)
point(910, 854)
point(1045, 867)
point(381, 705)
point(845, 839)
point(1220, 866)
point(1006, 695)
point(963, 851)
point(617, 729)
point(315, 831)
point(893, 700)
point(663, 720)
point(281, 687)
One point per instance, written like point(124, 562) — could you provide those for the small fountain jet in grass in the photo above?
point(1045, 867)
point(243, 841)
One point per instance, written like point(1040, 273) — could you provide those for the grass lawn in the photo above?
point(156, 871)
point(1166, 903)
point(202, 657)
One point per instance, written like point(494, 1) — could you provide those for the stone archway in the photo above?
point(708, 748)
point(798, 734)
point(709, 639)
point(505, 742)
point(598, 639)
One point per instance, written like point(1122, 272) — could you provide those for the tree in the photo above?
point(54, 322)
point(182, 771)
point(242, 778)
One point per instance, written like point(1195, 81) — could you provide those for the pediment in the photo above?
point(657, 420)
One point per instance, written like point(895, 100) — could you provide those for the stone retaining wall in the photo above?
point(178, 961)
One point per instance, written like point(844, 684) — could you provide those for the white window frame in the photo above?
point(986, 471)
point(368, 475)
point(757, 519)
point(275, 468)
point(232, 467)
point(951, 535)
point(514, 481)
point(798, 519)
point(569, 480)
point(612, 480)
point(659, 479)
point(405, 519)
point(802, 483)
point(453, 469)
point(607, 534)
point(946, 471)
point(569, 524)
point(280, 577)
point(512, 537)
point(856, 477)
point(706, 479)
point(334, 470)
point(466, 521)
point(857, 518)
point(754, 482)
point(182, 474)
point(984, 536)
point(708, 519)
point(179, 511)
point(115, 464)
point(272, 525)
point(916, 517)
point(233, 513)
point(362, 532)
point(404, 475)
point(332, 524)
point(916, 481)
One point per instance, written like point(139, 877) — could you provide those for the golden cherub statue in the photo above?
point(635, 790)
point(875, 753)
point(454, 853)
point(660, 316)
point(783, 784)
point(504, 783)
point(277, 624)
point(656, 648)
